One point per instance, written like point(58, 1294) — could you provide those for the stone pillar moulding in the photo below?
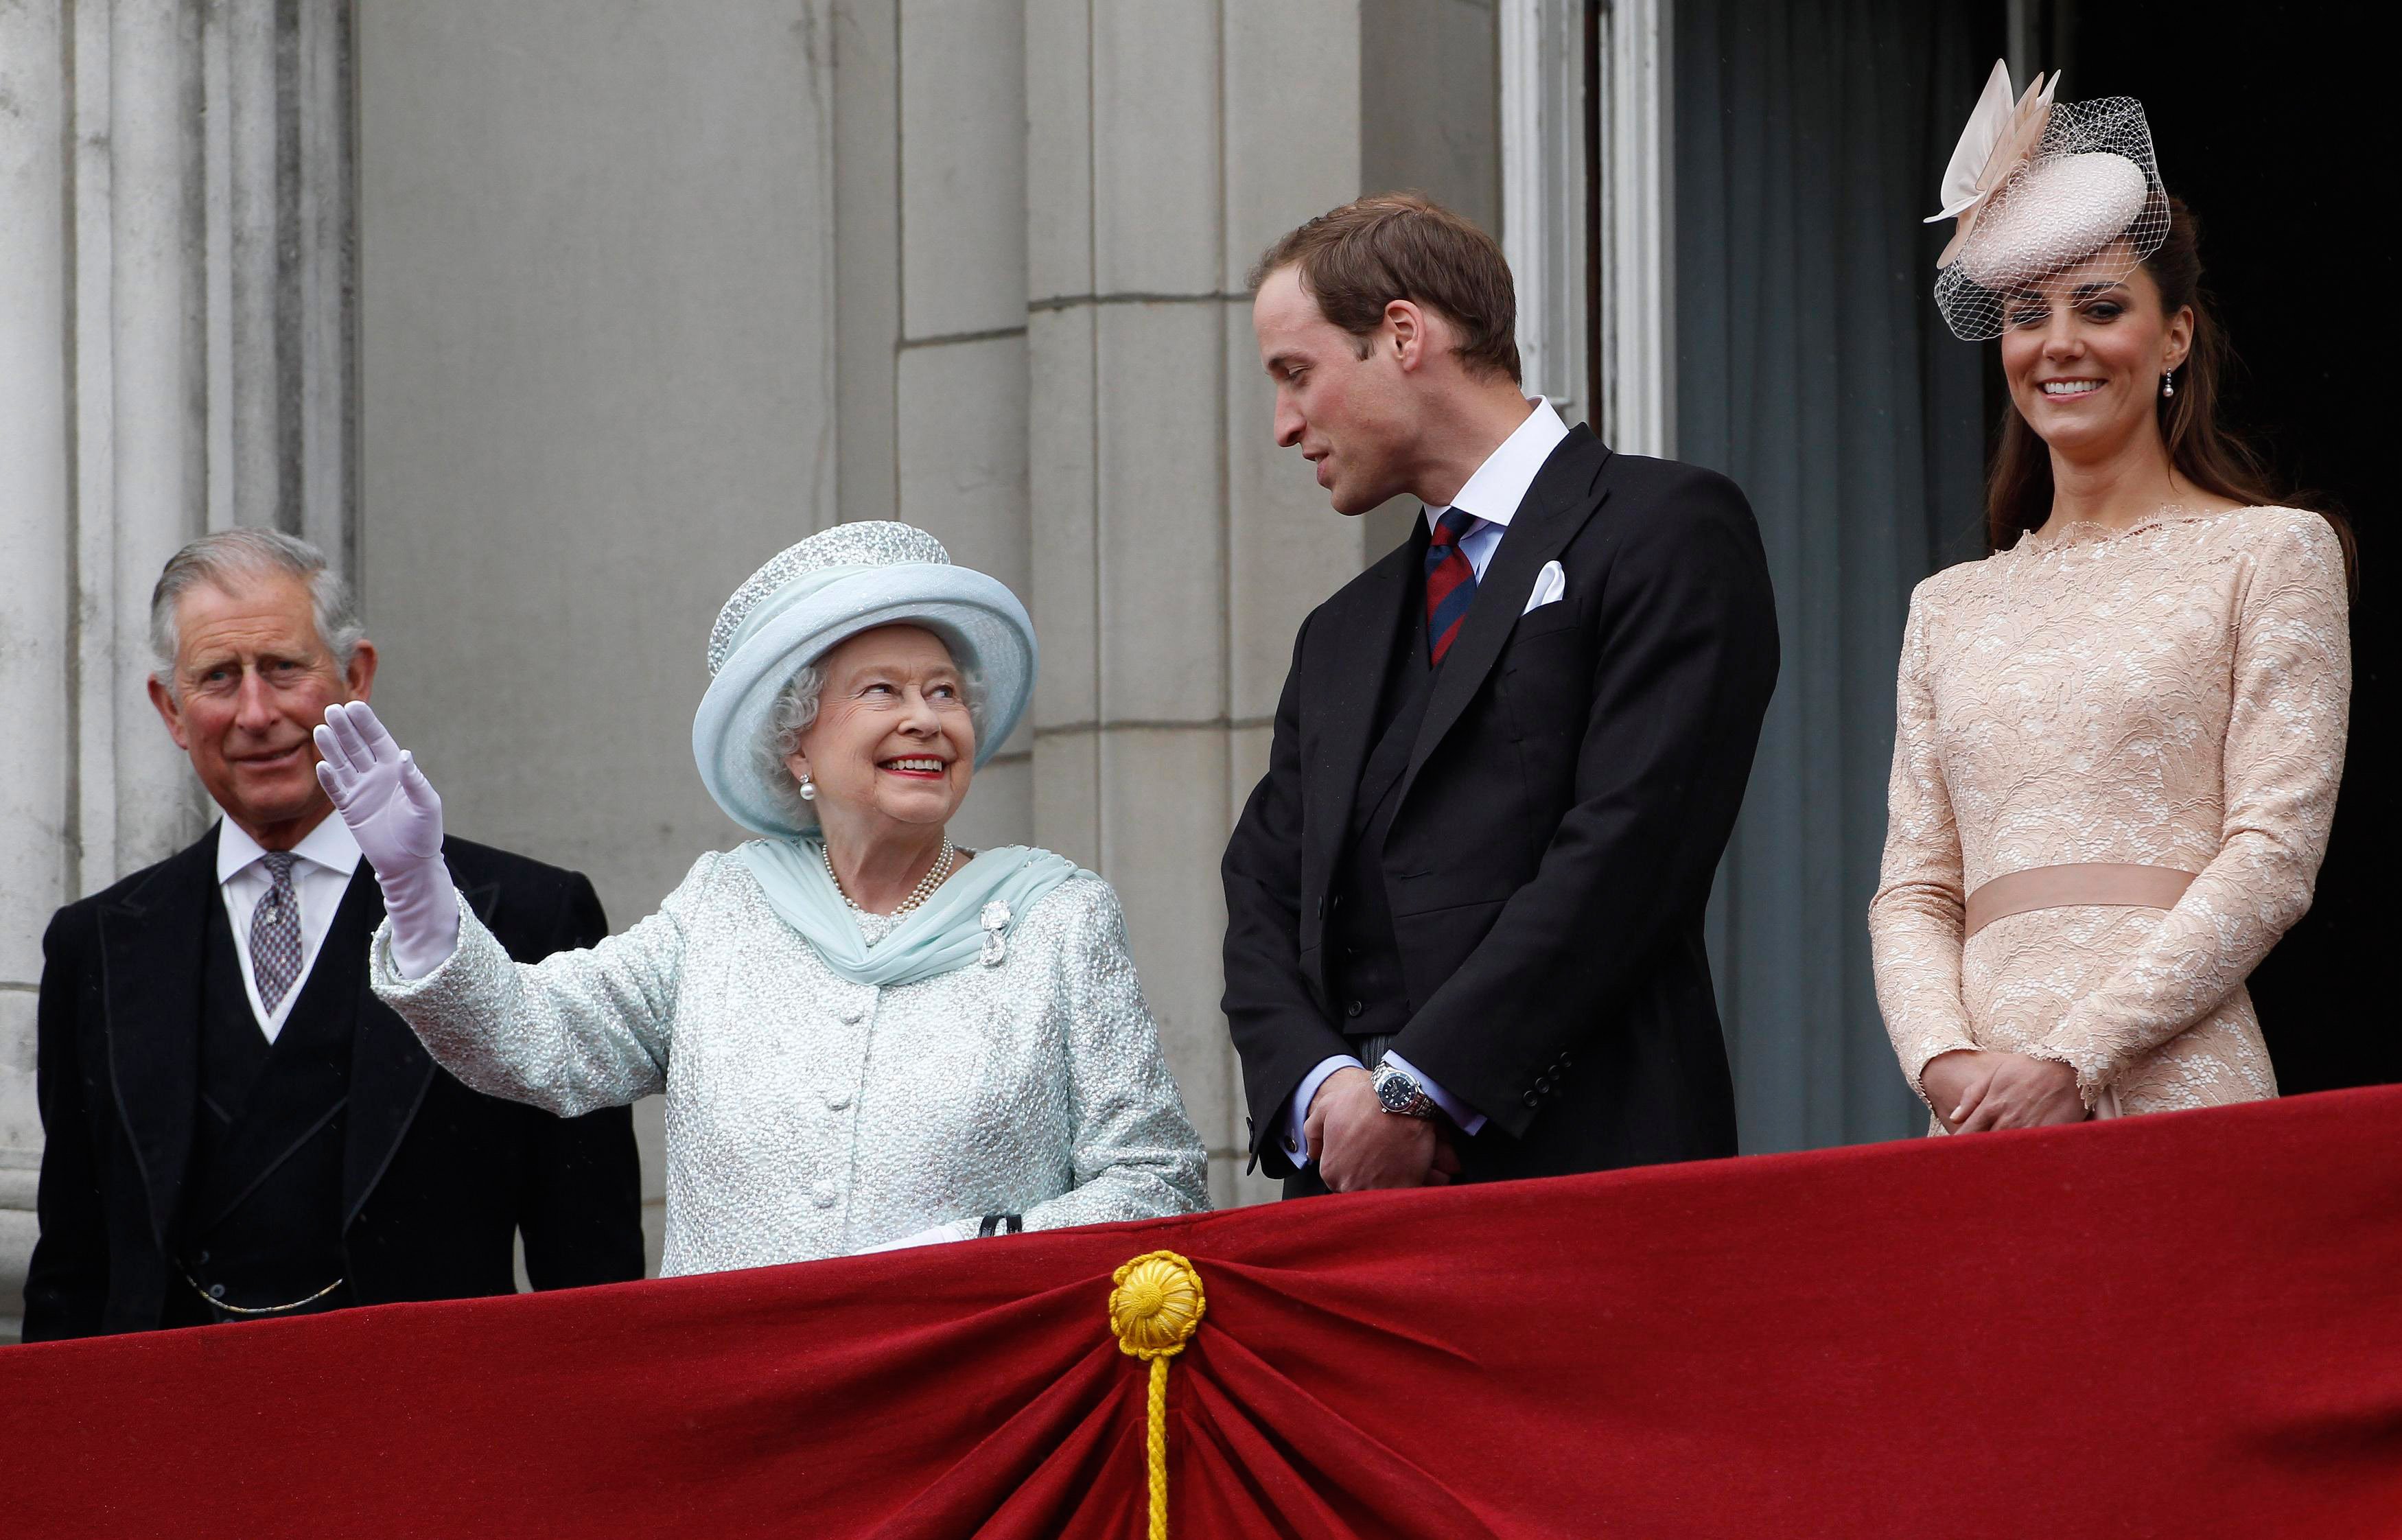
point(1544, 215)
point(1636, 226)
point(175, 244)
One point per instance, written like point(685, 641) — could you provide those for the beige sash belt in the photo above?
point(2084, 883)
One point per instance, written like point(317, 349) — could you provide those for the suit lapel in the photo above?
point(1555, 507)
point(150, 945)
point(1344, 685)
point(390, 1069)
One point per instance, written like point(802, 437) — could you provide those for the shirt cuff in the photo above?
point(1459, 1112)
point(1296, 1118)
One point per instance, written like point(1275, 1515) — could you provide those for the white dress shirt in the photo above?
point(328, 857)
point(1493, 494)
point(1500, 485)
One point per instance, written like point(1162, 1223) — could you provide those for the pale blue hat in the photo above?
point(814, 596)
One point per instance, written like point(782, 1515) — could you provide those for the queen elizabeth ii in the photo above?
point(867, 1037)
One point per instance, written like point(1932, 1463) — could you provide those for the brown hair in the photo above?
point(1357, 259)
point(2203, 449)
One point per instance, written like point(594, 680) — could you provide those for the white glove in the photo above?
point(397, 819)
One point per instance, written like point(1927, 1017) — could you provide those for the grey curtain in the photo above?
point(1813, 368)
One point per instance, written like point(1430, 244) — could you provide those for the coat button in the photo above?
point(823, 1196)
point(838, 1100)
point(202, 1259)
point(1354, 1009)
point(1531, 1099)
point(216, 1292)
point(850, 1015)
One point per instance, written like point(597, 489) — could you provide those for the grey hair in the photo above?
point(796, 710)
point(224, 559)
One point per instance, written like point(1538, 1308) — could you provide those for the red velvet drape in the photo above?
point(2178, 1326)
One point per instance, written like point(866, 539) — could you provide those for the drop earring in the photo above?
point(2167, 383)
point(809, 789)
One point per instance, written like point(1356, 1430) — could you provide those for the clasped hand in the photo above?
point(1358, 1144)
point(1974, 1091)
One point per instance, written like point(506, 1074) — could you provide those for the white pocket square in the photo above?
point(1550, 586)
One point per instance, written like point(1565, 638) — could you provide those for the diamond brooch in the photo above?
point(995, 920)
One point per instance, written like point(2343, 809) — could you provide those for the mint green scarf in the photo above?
point(948, 931)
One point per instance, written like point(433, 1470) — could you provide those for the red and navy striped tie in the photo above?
point(1450, 581)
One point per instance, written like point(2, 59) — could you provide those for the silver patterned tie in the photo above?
point(275, 933)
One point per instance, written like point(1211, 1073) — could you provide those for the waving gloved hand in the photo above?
point(397, 818)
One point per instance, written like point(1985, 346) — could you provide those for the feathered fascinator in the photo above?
point(2040, 188)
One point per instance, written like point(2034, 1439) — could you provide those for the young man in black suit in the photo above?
point(234, 1127)
point(1507, 759)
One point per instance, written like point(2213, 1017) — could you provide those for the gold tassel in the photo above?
point(1156, 1306)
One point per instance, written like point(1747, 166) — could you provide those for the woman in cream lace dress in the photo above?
point(2118, 738)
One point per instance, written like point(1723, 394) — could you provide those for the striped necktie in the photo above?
point(1450, 581)
point(275, 933)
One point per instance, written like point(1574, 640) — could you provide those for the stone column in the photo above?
point(960, 386)
point(1175, 548)
point(175, 244)
point(35, 642)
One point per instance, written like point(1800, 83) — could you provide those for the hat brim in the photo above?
point(987, 629)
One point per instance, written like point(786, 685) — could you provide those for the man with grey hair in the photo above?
point(234, 1128)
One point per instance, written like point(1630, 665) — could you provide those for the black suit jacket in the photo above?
point(1567, 799)
point(436, 1179)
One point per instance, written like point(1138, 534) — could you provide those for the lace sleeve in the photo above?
point(2283, 756)
point(1915, 920)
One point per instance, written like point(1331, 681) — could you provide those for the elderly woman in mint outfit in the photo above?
point(867, 1038)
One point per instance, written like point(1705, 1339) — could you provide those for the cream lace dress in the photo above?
point(2171, 695)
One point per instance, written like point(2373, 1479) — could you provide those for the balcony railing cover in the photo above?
point(2188, 1325)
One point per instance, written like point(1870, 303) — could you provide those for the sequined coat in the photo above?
point(2169, 695)
point(809, 1116)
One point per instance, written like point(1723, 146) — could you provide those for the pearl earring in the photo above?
point(2167, 383)
point(809, 789)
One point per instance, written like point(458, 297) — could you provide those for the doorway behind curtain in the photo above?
point(1811, 136)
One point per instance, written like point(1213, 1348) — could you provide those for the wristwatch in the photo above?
point(1399, 1092)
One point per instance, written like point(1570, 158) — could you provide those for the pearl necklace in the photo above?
point(935, 876)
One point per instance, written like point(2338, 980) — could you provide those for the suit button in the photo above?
point(823, 1196)
point(1354, 1009)
point(850, 1015)
point(838, 1100)
point(202, 1259)
point(216, 1292)
point(1531, 1099)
